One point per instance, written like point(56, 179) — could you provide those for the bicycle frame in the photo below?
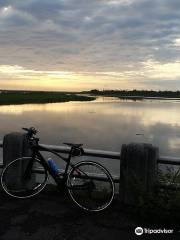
point(36, 153)
point(36, 148)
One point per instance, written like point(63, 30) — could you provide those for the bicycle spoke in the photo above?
point(93, 190)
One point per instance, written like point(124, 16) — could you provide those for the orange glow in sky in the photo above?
point(17, 77)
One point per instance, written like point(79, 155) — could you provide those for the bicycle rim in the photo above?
point(16, 184)
point(90, 186)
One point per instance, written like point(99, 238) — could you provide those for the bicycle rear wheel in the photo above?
point(90, 186)
point(17, 183)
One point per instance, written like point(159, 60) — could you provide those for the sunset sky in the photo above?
point(86, 44)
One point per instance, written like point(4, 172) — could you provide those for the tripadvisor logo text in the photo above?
point(140, 231)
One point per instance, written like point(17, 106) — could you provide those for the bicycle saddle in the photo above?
point(74, 145)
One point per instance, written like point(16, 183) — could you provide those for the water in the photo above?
point(105, 123)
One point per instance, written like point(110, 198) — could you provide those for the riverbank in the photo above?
point(24, 97)
point(136, 95)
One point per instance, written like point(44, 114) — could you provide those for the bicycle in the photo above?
point(89, 184)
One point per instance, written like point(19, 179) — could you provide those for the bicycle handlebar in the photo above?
point(30, 131)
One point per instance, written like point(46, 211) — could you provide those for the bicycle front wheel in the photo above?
point(19, 183)
point(90, 186)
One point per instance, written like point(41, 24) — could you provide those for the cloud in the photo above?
point(92, 36)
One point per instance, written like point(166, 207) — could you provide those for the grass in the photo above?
point(160, 205)
point(22, 97)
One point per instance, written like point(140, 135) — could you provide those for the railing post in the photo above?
point(138, 166)
point(15, 145)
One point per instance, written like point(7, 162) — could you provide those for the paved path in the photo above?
point(51, 216)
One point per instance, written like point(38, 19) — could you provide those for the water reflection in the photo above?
point(20, 109)
point(101, 124)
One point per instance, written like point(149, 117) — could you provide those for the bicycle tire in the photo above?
point(101, 193)
point(15, 185)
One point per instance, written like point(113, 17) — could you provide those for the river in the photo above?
point(105, 123)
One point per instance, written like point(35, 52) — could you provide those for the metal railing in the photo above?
point(169, 160)
point(105, 154)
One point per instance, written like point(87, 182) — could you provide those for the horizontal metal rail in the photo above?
point(106, 154)
point(169, 160)
point(87, 151)
point(61, 172)
point(116, 179)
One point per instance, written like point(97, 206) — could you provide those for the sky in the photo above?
point(87, 44)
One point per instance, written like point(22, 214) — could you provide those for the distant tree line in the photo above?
point(136, 93)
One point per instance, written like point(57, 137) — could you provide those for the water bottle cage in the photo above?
point(77, 151)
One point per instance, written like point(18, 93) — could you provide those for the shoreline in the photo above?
point(17, 98)
point(42, 97)
point(140, 98)
point(149, 98)
point(136, 94)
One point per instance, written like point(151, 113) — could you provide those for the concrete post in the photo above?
point(15, 145)
point(138, 166)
